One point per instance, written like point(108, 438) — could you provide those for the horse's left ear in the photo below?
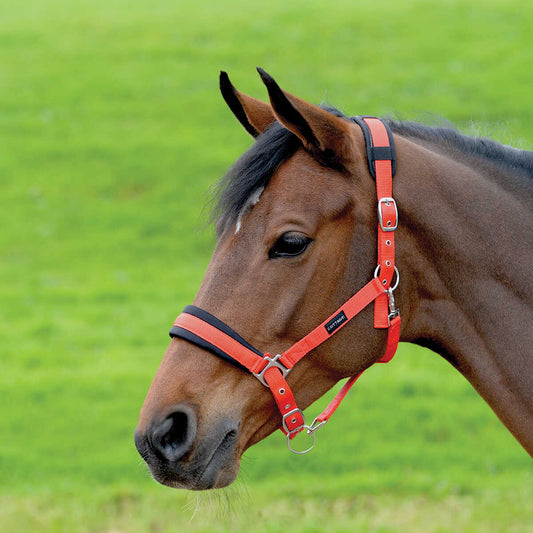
point(326, 136)
point(254, 115)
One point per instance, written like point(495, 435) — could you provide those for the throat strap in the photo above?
point(334, 323)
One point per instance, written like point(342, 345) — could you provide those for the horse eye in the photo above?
point(289, 245)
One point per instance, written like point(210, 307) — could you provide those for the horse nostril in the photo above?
point(174, 437)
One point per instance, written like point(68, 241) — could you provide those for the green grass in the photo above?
point(112, 131)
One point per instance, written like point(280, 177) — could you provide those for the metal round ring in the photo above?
point(392, 288)
point(309, 432)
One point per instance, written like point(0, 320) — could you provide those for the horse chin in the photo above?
point(212, 477)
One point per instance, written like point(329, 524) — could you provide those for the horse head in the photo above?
point(295, 239)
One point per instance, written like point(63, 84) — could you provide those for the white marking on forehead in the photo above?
point(253, 200)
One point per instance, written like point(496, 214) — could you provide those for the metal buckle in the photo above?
point(286, 415)
point(387, 201)
point(272, 361)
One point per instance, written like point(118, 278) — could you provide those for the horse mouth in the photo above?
point(212, 464)
point(220, 459)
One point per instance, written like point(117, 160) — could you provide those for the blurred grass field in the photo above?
point(112, 131)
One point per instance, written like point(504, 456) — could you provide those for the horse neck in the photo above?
point(464, 253)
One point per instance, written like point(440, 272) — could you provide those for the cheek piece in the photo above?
point(208, 332)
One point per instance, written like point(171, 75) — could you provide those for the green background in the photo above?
point(112, 131)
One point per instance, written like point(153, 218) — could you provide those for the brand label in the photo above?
point(336, 322)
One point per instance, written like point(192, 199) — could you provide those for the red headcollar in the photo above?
point(203, 329)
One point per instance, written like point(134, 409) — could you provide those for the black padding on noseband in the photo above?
point(201, 343)
point(176, 331)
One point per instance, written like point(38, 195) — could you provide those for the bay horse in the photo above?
point(296, 227)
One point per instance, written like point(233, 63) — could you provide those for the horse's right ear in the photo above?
point(253, 114)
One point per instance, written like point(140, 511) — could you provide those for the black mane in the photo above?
point(275, 145)
point(507, 157)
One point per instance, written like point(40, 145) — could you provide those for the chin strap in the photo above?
point(205, 330)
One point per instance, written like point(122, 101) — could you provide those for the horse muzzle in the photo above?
point(178, 457)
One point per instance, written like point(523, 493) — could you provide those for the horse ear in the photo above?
point(328, 137)
point(253, 114)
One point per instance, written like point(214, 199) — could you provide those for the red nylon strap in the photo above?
point(393, 338)
point(292, 417)
point(253, 362)
point(392, 344)
point(331, 408)
point(352, 307)
point(388, 219)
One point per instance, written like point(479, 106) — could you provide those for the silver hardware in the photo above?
point(392, 304)
point(282, 391)
point(376, 273)
point(309, 432)
point(272, 361)
point(387, 201)
point(394, 311)
point(316, 425)
point(388, 243)
point(293, 420)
